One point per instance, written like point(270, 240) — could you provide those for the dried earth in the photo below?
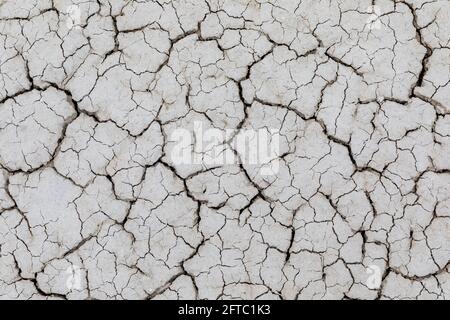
point(92, 205)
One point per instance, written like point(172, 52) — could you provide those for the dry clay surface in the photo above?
point(92, 206)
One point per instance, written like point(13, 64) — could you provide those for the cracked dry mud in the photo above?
point(87, 110)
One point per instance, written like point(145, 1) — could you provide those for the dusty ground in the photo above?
point(94, 204)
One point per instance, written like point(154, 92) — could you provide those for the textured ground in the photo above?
point(92, 205)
